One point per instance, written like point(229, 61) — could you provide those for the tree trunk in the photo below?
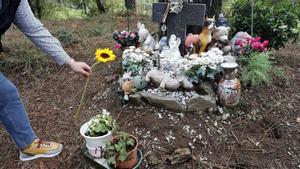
point(84, 4)
point(100, 5)
point(61, 2)
point(130, 5)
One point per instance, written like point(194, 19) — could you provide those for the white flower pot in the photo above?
point(95, 145)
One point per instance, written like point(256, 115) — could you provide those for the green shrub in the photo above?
point(277, 23)
point(257, 70)
point(65, 36)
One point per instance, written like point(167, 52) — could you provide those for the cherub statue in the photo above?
point(172, 52)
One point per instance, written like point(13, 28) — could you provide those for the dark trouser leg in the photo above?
point(1, 47)
point(13, 114)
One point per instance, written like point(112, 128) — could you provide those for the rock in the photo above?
point(135, 99)
point(153, 159)
point(298, 120)
point(180, 155)
point(206, 89)
point(225, 116)
point(201, 103)
point(165, 102)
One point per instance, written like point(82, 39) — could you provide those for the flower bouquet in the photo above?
point(125, 39)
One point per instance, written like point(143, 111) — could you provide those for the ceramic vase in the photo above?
point(229, 89)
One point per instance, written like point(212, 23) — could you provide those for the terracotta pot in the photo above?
point(132, 157)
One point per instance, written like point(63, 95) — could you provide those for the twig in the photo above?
point(257, 144)
point(235, 137)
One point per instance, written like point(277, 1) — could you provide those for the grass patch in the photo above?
point(26, 62)
point(65, 36)
point(258, 69)
point(102, 25)
point(64, 13)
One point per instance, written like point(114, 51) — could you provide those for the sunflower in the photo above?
point(105, 55)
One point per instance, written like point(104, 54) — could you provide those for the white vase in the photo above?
point(95, 145)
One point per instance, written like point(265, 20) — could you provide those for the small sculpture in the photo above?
point(139, 82)
point(205, 35)
point(127, 88)
point(163, 42)
point(220, 38)
point(192, 43)
point(172, 53)
point(148, 42)
point(169, 83)
point(165, 81)
point(162, 80)
point(185, 83)
point(222, 21)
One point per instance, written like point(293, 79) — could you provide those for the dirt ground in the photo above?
point(261, 133)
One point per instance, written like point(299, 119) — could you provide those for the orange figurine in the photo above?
point(206, 34)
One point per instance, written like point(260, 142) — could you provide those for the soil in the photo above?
point(262, 132)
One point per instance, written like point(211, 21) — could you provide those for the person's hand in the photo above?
point(79, 67)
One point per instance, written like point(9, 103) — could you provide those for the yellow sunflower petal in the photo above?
point(105, 55)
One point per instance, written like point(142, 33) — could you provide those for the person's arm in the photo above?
point(41, 37)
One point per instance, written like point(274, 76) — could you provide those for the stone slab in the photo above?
point(168, 103)
point(201, 103)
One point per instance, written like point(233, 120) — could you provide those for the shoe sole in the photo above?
point(25, 157)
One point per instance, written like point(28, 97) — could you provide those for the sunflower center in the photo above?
point(105, 55)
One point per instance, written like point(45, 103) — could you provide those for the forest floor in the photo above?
point(262, 132)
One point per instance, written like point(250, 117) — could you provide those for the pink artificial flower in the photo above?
point(118, 46)
point(121, 37)
point(265, 43)
point(248, 40)
point(132, 35)
point(239, 42)
point(257, 39)
point(256, 45)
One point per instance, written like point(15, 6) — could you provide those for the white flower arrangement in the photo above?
point(211, 59)
point(136, 55)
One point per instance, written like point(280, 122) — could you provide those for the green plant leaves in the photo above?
point(257, 70)
point(117, 149)
point(275, 22)
point(100, 125)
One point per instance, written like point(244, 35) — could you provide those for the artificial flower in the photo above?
point(105, 55)
point(118, 46)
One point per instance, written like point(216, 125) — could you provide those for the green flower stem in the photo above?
point(83, 95)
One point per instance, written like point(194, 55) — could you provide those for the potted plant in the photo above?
point(121, 152)
point(97, 132)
